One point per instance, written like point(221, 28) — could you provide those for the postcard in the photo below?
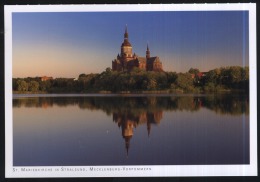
point(130, 90)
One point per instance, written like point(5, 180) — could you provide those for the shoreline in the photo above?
point(105, 95)
point(143, 93)
point(35, 95)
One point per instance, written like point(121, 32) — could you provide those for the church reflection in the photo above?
point(128, 121)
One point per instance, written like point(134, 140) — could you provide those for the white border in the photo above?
point(131, 171)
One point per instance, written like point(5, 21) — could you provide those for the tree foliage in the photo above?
point(224, 78)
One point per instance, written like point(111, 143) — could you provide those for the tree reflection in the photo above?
point(221, 104)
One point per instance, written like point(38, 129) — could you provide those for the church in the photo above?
point(127, 61)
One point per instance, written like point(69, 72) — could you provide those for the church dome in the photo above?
point(126, 43)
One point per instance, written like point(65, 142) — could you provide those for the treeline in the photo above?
point(219, 79)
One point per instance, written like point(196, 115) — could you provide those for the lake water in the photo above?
point(92, 130)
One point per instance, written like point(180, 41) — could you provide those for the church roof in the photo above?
point(132, 62)
point(141, 59)
point(151, 60)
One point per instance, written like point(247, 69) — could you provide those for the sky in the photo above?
point(66, 44)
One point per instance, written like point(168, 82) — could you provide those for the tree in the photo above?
point(245, 73)
point(22, 85)
point(185, 82)
point(108, 70)
point(171, 77)
point(33, 86)
point(152, 84)
point(82, 75)
point(211, 77)
point(45, 85)
point(194, 71)
point(235, 74)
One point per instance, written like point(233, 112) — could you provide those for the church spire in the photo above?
point(127, 145)
point(126, 33)
point(148, 128)
point(147, 52)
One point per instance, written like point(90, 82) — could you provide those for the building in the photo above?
point(45, 78)
point(199, 75)
point(127, 61)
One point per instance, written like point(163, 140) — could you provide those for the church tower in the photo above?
point(126, 47)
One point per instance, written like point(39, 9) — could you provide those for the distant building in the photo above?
point(127, 61)
point(45, 78)
point(199, 75)
point(202, 74)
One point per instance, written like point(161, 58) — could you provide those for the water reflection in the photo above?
point(131, 112)
point(185, 135)
point(221, 104)
point(128, 121)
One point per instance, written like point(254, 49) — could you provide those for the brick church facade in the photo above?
point(126, 61)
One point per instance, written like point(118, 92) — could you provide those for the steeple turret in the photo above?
point(147, 52)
